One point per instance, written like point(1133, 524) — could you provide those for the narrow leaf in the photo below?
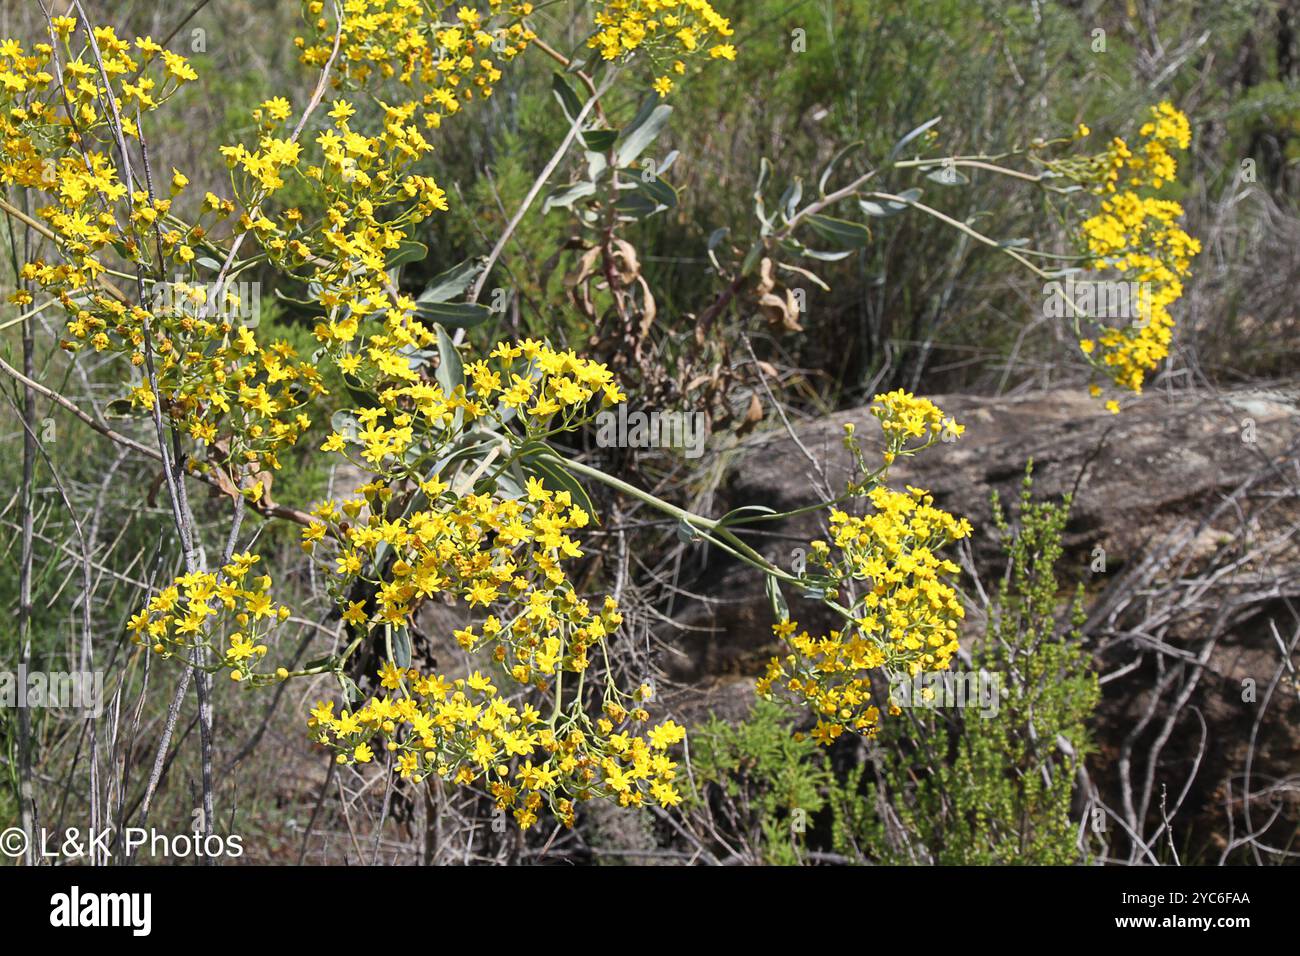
point(451, 283)
point(634, 140)
point(841, 232)
point(453, 315)
point(600, 140)
point(902, 143)
point(569, 101)
point(408, 251)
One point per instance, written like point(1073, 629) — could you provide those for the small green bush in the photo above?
point(945, 786)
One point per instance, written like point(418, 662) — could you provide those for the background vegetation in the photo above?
point(919, 308)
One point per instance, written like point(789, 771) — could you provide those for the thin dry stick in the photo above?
point(28, 382)
point(87, 647)
point(160, 758)
point(311, 823)
point(269, 511)
point(186, 525)
point(574, 128)
point(25, 588)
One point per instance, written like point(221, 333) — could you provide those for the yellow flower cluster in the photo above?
point(539, 383)
point(244, 402)
point(500, 539)
point(538, 388)
point(1153, 165)
point(467, 732)
point(668, 30)
point(499, 554)
point(371, 201)
point(902, 614)
point(445, 51)
point(360, 167)
point(49, 143)
point(903, 416)
point(1136, 238)
point(196, 609)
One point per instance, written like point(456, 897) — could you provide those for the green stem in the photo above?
point(709, 527)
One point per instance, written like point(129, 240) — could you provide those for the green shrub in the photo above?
point(947, 786)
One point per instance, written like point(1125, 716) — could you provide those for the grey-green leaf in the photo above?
point(408, 251)
point(774, 595)
point(634, 140)
point(447, 285)
point(569, 101)
point(659, 191)
point(902, 143)
point(886, 208)
point(835, 161)
point(948, 176)
point(453, 315)
point(401, 642)
point(567, 196)
point(451, 370)
point(840, 232)
point(637, 205)
point(600, 140)
point(764, 170)
point(790, 198)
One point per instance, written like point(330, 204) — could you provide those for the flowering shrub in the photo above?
point(1137, 236)
point(663, 29)
point(177, 619)
point(464, 730)
point(901, 614)
point(466, 497)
